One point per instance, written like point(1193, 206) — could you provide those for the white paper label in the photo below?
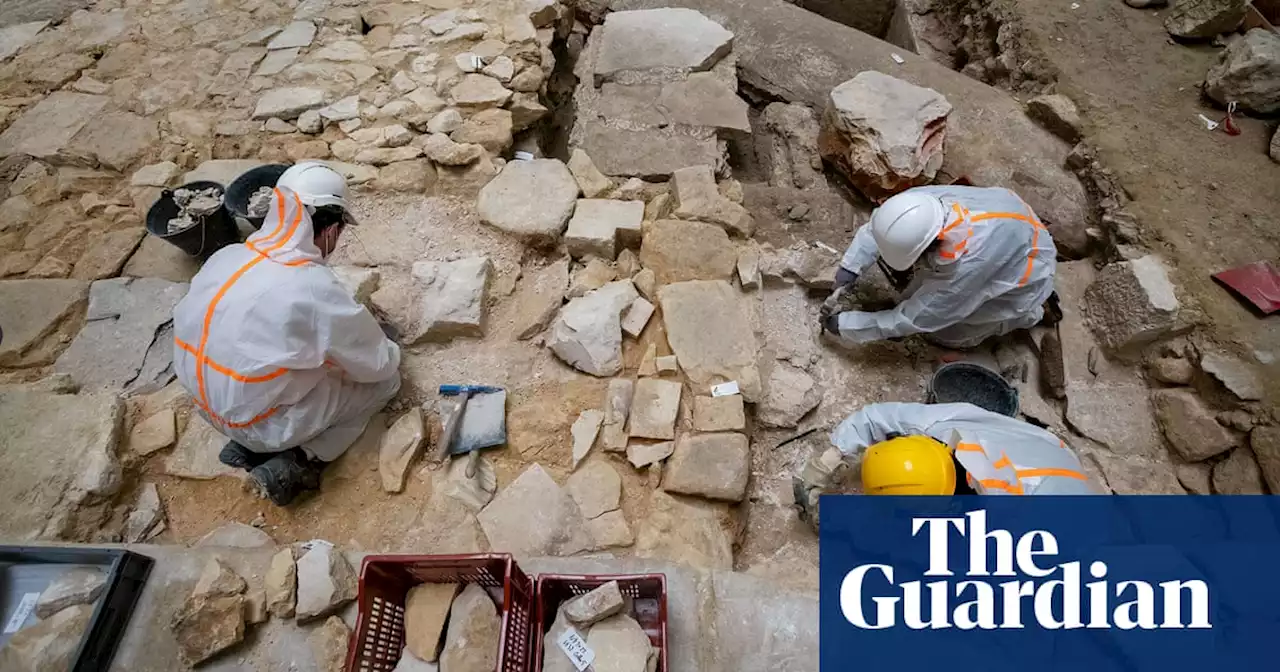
point(523, 156)
point(576, 648)
point(25, 607)
point(725, 389)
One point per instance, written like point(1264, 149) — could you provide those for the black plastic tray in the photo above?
point(126, 575)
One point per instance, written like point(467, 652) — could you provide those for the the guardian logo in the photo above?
point(1052, 594)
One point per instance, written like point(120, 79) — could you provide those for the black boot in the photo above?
point(236, 455)
point(285, 476)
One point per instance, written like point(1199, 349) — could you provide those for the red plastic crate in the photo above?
point(385, 581)
point(648, 592)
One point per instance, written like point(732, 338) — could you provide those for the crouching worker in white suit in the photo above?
point(940, 449)
point(983, 266)
point(277, 354)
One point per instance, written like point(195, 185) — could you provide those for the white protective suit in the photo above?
point(1003, 455)
point(991, 275)
point(273, 348)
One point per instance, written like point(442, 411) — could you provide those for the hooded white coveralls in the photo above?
point(990, 276)
point(1003, 455)
point(274, 350)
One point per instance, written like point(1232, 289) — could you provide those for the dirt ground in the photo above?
point(1208, 199)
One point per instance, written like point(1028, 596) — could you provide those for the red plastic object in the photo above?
point(649, 600)
point(1258, 283)
point(385, 580)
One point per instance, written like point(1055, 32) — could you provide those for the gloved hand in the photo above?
point(845, 277)
point(819, 473)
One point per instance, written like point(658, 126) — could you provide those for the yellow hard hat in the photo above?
point(908, 465)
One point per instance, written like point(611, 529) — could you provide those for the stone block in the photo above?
point(884, 134)
point(715, 466)
point(1057, 114)
point(654, 409)
point(452, 300)
point(698, 198)
point(47, 128)
point(474, 632)
point(531, 199)
point(1238, 474)
point(1204, 19)
point(587, 333)
point(636, 317)
point(690, 311)
point(650, 153)
point(426, 608)
point(593, 229)
point(704, 99)
point(295, 35)
point(288, 102)
point(590, 180)
point(719, 414)
point(677, 251)
point(659, 38)
point(1189, 425)
point(326, 582)
point(533, 517)
point(1132, 303)
point(33, 309)
point(596, 488)
point(584, 432)
point(479, 92)
point(641, 455)
point(685, 531)
point(789, 393)
point(399, 446)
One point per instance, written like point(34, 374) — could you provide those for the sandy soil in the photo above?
point(1208, 198)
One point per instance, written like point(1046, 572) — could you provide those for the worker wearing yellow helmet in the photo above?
point(941, 449)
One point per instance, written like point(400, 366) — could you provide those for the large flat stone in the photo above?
point(115, 139)
point(326, 582)
point(883, 133)
point(222, 171)
point(654, 408)
point(1132, 303)
point(50, 442)
point(288, 102)
point(587, 333)
point(531, 199)
point(704, 99)
point(685, 531)
point(715, 466)
point(659, 38)
point(648, 154)
point(1189, 425)
point(46, 129)
point(13, 38)
point(696, 308)
point(196, 455)
point(32, 309)
point(472, 640)
point(677, 251)
point(122, 321)
point(533, 516)
point(452, 300)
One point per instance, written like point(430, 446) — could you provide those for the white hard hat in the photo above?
point(904, 225)
point(317, 185)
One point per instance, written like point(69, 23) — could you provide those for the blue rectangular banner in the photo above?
point(1050, 583)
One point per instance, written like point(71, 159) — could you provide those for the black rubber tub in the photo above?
point(239, 191)
point(966, 382)
point(214, 232)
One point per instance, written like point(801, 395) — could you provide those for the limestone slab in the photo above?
point(46, 128)
point(533, 516)
point(677, 251)
point(654, 409)
point(659, 38)
point(326, 582)
point(33, 309)
point(122, 320)
point(596, 488)
point(715, 466)
point(452, 300)
point(426, 607)
point(693, 309)
point(718, 414)
point(531, 199)
point(587, 333)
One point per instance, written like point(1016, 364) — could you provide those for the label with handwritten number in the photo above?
point(25, 607)
point(576, 648)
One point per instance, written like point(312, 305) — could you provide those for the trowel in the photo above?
point(477, 421)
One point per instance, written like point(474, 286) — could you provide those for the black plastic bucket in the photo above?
point(214, 232)
point(243, 187)
point(966, 382)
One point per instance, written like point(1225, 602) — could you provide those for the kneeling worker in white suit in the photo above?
point(941, 449)
point(983, 266)
point(278, 356)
